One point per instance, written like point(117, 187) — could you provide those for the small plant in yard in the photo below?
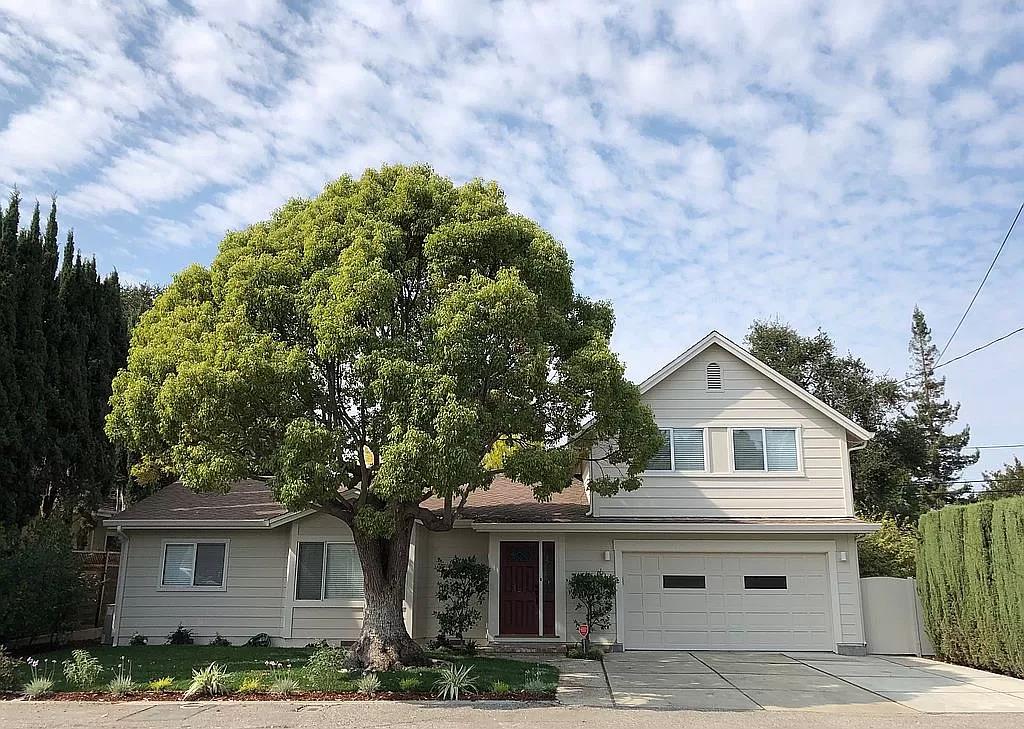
point(260, 640)
point(577, 651)
point(594, 593)
point(41, 683)
point(325, 668)
point(7, 666)
point(410, 683)
point(220, 640)
point(160, 684)
point(535, 683)
point(138, 639)
point(368, 684)
point(461, 589)
point(251, 685)
point(209, 681)
point(500, 688)
point(454, 681)
point(122, 684)
point(284, 686)
point(82, 669)
point(180, 636)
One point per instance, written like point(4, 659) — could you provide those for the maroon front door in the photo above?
point(519, 581)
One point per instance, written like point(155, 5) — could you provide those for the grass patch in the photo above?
point(247, 664)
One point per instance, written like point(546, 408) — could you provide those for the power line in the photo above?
point(981, 285)
point(1011, 445)
point(966, 354)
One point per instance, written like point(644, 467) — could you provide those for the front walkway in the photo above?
point(822, 682)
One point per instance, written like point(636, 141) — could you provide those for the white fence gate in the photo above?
point(893, 623)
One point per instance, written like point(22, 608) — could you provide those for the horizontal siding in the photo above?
point(430, 547)
point(251, 604)
point(332, 623)
point(747, 399)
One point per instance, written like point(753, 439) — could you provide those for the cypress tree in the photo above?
point(933, 413)
point(12, 495)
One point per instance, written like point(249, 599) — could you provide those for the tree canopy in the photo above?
point(394, 339)
point(1003, 482)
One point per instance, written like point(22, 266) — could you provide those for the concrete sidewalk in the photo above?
point(395, 715)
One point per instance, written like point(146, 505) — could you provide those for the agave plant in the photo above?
point(38, 687)
point(368, 684)
point(209, 681)
point(453, 681)
point(284, 686)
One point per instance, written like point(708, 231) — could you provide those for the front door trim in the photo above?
point(494, 588)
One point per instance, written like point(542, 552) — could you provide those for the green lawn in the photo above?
point(153, 662)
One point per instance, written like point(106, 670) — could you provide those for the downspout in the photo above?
point(122, 571)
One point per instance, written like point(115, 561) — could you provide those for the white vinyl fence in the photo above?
point(893, 623)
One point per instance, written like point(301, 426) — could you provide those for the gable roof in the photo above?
point(737, 351)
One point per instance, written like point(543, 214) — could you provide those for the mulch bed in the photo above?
point(103, 697)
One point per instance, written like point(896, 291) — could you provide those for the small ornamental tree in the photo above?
point(393, 340)
point(594, 593)
point(461, 589)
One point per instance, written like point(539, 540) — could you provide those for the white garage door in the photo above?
point(726, 601)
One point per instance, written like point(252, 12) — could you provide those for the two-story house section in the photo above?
point(742, 537)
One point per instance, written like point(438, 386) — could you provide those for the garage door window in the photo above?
point(683, 582)
point(764, 582)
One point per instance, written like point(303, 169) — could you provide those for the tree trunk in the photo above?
point(384, 643)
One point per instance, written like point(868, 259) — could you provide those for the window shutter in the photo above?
point(178, 559)
point(310, 577)
point(662, 460)
point(209, 565)
point(344, 574)
point(781, 444)
point(689, 448)
point(714, 376)
point(748, 450)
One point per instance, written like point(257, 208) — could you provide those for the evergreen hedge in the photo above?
point(970, 576)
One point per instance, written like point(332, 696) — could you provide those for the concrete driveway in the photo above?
point(821, 682)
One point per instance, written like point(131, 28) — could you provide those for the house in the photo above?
point(742, 536)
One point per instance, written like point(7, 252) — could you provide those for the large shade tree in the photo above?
point(395, 339)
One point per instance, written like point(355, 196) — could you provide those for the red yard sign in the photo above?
point(584, 629)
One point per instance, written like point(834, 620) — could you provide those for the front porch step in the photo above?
point(523, 647)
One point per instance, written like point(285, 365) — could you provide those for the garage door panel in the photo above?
point(725, 614)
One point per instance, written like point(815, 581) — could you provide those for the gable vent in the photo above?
point(714, 376)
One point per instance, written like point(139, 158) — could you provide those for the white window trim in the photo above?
point(161, 587)
point(771, 474)
point(323, 601)
point(706, 440)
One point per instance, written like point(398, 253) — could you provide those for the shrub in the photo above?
point(284, 686)
point(122, 684)
point(325, 668)
point(7, 665)
point(209, 681)
point(41, 582)
point(453, 681)
point(180, 636)
point(594, 593)
point(138, 639)
point(972, 596)
point(260, 640)
point(368, 684)
point(578, 651)
point(220, 640)
point(82, 669)
point(251, 685)
point(38, 687)
point(410, 683)
point(501, 688)
point(461, 589)
point(889, 552)
point(160, 684)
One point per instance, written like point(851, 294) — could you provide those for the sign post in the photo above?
point(584, 630)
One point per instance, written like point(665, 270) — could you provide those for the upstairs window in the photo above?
point(714, 371)
point(765, 449)
point(328, 571)
point(682, 450)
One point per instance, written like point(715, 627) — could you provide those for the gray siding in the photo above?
point(747, 399)
point(444, 545)
point(251, 603)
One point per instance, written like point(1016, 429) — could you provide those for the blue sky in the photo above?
point(705, 163)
